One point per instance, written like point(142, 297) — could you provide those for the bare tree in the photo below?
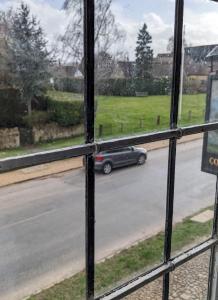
point(107, 32)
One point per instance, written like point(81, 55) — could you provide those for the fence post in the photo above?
point(100, 130)
point(158, 120)
point(189, 115)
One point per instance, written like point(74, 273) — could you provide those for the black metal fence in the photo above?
point(172, 134)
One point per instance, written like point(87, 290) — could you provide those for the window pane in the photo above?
point(194, 195)
point(200, 40)
point(41, 77)
point(42, 237)
point(190, 280)
point(133, 89)
point(130, 218)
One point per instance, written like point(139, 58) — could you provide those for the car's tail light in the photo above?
point(99, 157)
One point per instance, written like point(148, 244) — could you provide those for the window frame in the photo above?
point(91, 147)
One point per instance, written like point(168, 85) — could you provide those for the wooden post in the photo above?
point(158, 120)
point(189, 115)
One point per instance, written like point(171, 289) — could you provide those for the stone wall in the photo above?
point(9, 138)
point(53, 131)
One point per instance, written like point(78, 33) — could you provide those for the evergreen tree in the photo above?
point(144, 54)
point(30, 56)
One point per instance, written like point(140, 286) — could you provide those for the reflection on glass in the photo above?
point(212, 145)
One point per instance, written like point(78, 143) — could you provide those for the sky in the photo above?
point(200, 19)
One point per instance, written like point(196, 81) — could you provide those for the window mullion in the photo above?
point(177, 60)
point(89, 20)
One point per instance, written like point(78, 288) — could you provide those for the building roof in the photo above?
point(199, 53)
point(213, 53)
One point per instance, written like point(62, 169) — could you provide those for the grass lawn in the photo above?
point(127, 115)
point(64, 96)
point(123, 265)
point(121, 116)
point(140, 113)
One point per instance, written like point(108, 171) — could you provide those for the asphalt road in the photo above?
point(42, 221)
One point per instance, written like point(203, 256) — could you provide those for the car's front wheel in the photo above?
point(107, 168)
point(141, 159)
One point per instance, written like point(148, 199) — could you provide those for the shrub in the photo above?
point(36, 118)
point(66, 113)
point(11, 108)
point(40, 103)
point(119, 86)
point(73, 85)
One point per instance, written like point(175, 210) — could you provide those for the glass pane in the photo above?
point(194, 195)
point(133, 67)
point(42, 237)
point(199, 42)
point(41, 77)
point(130, 216)
point(152, 291)
point(190, 280)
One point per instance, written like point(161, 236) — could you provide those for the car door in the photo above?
point(132, 156)
point(124, 156)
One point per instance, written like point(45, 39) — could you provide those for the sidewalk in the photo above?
point(188, 282)
point(69, 164)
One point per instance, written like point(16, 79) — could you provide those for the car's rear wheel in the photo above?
point(107, 168)
point(141, 159)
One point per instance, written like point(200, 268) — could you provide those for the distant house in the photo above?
point(60, 70)
point(197, 65)
point(78, 74)
point(199, 53)
point(162, 65)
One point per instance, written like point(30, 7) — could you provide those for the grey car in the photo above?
point(108, 160)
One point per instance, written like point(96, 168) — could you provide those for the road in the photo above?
point(42, 221)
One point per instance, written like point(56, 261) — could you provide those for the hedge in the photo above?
point(74, 85)
point(118, 87)
point(66, 113)
point(11, 108)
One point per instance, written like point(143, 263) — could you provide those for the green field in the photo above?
point(122, 116)
point(128, 115)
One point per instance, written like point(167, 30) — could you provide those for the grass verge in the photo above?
point(57, 144)
point(135, 259)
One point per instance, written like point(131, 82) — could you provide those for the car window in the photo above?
point(119, 150)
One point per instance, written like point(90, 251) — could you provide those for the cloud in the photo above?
point(52, 20)
point(159, 30)
point(201, 28)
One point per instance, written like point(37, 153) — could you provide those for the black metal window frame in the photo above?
point(91, 147)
